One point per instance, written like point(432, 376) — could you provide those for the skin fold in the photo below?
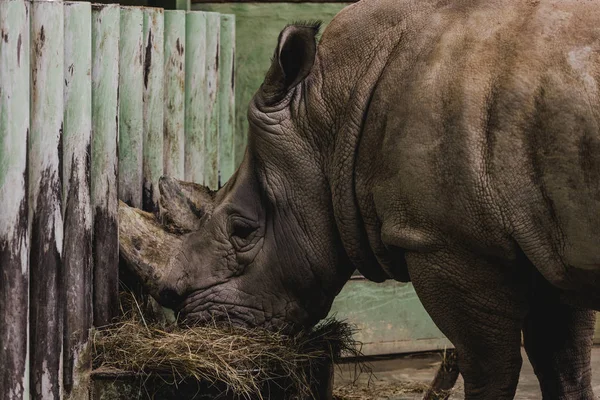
point(453, 144)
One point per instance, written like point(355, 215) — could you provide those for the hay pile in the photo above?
point(242, 359)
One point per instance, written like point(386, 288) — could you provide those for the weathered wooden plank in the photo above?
point(14, 229)
point(153, 106)
point(45, 219)
point(105, 123)
point(174, 92)
point(131, 109)
point(226, 98)
point(76, 205)
point(211, 135)
point(195, 96)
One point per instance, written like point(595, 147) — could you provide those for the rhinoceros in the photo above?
point(451, 143)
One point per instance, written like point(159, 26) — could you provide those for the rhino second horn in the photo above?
point(182, 204)
point(146, 248)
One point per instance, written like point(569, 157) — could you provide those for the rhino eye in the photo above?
point(241, 232)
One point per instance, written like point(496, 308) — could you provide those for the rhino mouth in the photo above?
point(209, 307)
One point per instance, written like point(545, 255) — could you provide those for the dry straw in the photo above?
point(242, 359)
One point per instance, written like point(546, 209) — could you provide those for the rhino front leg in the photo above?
point(558, 340)
point(480, 306)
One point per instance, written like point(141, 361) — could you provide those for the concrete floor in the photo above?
point(400, 379)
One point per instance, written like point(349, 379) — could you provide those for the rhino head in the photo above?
point(264, 250)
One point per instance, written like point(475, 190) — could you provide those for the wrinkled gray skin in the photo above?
point(455, 142)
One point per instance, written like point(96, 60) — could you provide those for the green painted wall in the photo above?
point(389, 317)
point(257, 28)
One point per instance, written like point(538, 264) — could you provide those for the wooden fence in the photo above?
point(96, 103)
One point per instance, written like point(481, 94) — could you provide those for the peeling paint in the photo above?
point(226, 99)
point(14, 120)
point(174, 94)
point(131, 89)
point(14, 227)
point(153, 103)
point(45, 264)
point(211, 123)
point(179, 47)
point(45, 217)
point(104, 159)
point(76, 205)
point(195, 97)
point(148, 58)
point(46, 389)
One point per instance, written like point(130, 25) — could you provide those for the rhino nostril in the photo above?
point(169, 298)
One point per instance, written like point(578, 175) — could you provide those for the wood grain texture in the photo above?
point(104, 198)
point(195, 97)
point(131, 109)
point(14, 229)
point(211, 123)
point(153, 106)
point(45, 219)
point(226, 98)
point(174, 92)
point(76, 203)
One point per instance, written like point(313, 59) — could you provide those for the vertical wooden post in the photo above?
point(105, 123)
point(226, 98)
point(76, 205)
point(174, 92)
point(131, 110)
point(14, 230)
point(45, 219)
point(211, 135)
point(153, 106)
point(239, 134)
point(195, 96)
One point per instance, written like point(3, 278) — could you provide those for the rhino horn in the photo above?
point(146, 247)
point(183, 204)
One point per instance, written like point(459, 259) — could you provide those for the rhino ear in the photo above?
point(293, 59)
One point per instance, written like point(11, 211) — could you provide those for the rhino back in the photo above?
point(482, 132)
